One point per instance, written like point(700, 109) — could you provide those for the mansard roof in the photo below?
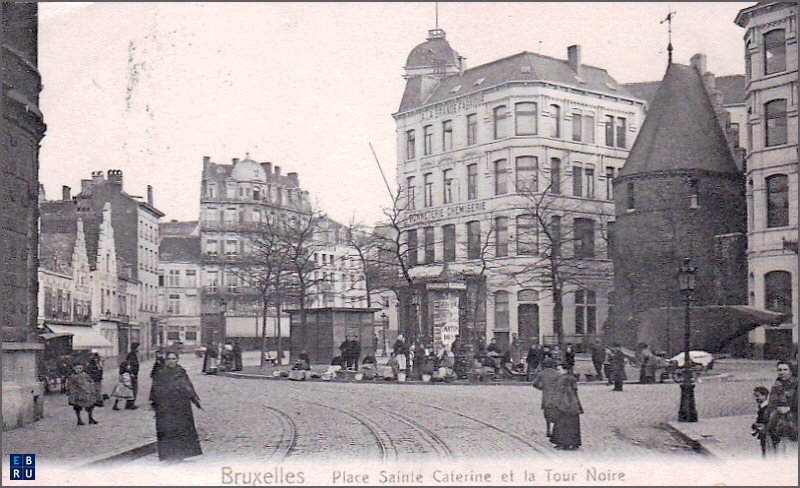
point(731, 87)
point(180, 249)
point(524, 66)
point(681, 130)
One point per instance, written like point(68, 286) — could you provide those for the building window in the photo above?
point(211, 247)
point(501, 237)
point(473, 240)
point(610, 182)
point(555, 235)
point(500, 119)
point(472, 181)
point(231, 248)
point(447, 135)
point(778, 291)
point(775, 128)
point(577, 181)
point(577, 126)
point(777, 201)
point(412, 243)
point(588, 129)
point(173, 333)
point(411, 145)
point(174, 305)
point(631, 196)
point(500, 177)
point(427, 137)
point(774, 51)
point(527, 174)
point(410, 193)
point(501, 310)
point(555, 121)
point(525, 119)
point(174, 278)
point(734, 133)
point(428, 189)
point(191, 278)
point(430, 249)
point(447, 178)
point(527, 236)
point(621, 130)
point(233, 283)
point(588, 174)
point(555, 176)
point(609, 130)
point(472, 129)
point(584, 238)
point(449, 243)
point(585, 312)
point(211, 190)
point(191, 333)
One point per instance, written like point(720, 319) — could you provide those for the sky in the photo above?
point(151, 88)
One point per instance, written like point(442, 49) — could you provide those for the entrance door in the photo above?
point(779, 344)
point(528, 323)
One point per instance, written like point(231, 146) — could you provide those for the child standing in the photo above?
point(81, 393)
point(124, 388)
point(761, 395)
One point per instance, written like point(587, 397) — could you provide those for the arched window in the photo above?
point(774, 51)
point(775, 128)
point(500, 122)
point(528, 295)
point(777, 201)
point(501, 310)
point(778, 291)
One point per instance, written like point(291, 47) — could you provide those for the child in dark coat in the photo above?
point(759, 428)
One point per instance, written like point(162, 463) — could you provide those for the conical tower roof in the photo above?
point(681, 131)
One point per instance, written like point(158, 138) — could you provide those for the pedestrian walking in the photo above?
point(80, 393)
point(94, 368)
point(759, 427)
point(237, 355)
point(545, 380)
point(171, 396)
point(617, 367)
point(598, 358)
point(124, 388)
point(158, 364)
point(210, 359)
point(569, 358)
point(567, 428)
point(133, 362)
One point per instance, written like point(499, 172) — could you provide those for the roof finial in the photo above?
point(247, 155)
point(668, 20)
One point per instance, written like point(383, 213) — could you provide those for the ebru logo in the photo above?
point(23, 466)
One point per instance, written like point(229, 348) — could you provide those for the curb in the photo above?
point(124, 455)
point(695, 442)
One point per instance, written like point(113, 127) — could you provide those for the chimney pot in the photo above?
point(574, 58)
point(235, 160)
point(97, 177)
point(294, 178)
point(150, 195)
point(86, 186)
point(65, 193)
point(699, 63)
point(206, 159)
point(277, 170)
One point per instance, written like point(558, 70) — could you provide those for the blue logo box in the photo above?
point(23, 466)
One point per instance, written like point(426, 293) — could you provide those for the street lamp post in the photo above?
point(223, 308)
point(686, 280)
point(385, 324)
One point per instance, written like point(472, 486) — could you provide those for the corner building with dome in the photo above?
point(506, 171)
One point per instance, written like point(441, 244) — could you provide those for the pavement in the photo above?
point(636, 421)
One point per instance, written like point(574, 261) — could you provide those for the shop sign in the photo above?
point(457, 210)
point(453, 108)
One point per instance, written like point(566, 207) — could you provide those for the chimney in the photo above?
point(65, 193)
point(235, 160)
point(277, 170)
point(294, 179)
point(206, 160)
point(150, 195)
point(115, 176)
point(97, 178)
point(86, 186)
point(574, 58)
point(699, 63)
point(462, 64)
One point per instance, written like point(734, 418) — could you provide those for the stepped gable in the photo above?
point(681, 131)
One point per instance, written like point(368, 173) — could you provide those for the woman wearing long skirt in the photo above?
point(171, 396)
point(567, 429)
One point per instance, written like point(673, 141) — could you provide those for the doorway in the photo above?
point(528, 324)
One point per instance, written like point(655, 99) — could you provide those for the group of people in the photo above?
point(227, 356)
point(776, 422)
point(351, 352)
point(560, 403)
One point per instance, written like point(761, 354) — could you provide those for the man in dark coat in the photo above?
point(534, 359)
point(237, 355)
point(94, 368)
point(617, 367)
point(133, 360)
point(355, 351)
point(598, 358)
point(346, 348)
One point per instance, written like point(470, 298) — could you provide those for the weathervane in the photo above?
point(668, 20)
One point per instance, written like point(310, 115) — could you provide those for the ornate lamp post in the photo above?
point(688, 411)
point(223, 308)
point(385, 325)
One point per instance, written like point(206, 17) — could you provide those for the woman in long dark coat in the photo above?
point(567, 428)
point(545, 380)
point(172, 396)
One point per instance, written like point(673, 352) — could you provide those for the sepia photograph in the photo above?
point(399, 243)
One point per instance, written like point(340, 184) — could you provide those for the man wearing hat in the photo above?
point(133, 360)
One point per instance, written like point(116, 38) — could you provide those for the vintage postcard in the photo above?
point(399, 244)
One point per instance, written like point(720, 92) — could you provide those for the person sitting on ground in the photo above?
point(368, 367)
point(391, 369)
point(306, 359)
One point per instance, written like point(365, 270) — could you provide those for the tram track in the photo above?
point(384, 442)
point(434, 440)
point(288, 439)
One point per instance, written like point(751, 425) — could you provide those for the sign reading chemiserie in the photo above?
point(434, 214)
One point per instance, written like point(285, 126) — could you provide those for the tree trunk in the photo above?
point(278, 328)
point(558, 317)
point(265, 309)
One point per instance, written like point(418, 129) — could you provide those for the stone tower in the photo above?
point(678, 193)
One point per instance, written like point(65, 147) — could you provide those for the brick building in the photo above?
point(22, 131)
point(475, 148)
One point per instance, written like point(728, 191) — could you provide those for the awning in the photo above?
point(83, 337)
point(47, 336)
point(712, 327)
